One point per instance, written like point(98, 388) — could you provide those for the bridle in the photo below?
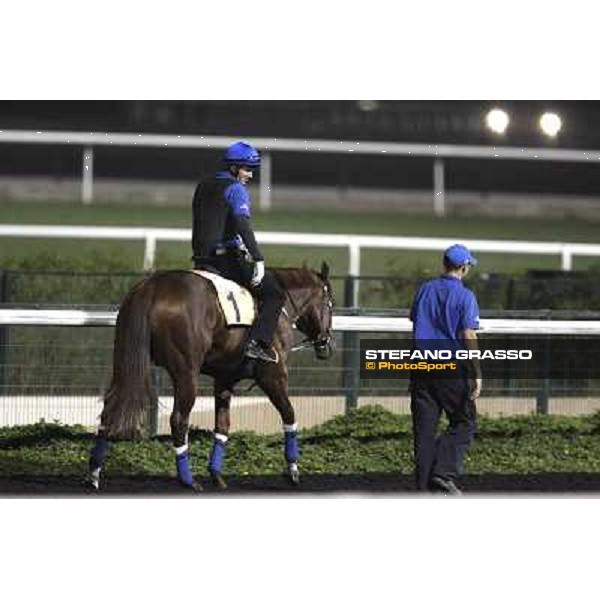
point(318, 343)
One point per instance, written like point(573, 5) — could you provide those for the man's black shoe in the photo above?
point(442, 484)
point(258, 351)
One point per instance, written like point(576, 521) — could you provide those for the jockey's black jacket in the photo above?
point(215, 223)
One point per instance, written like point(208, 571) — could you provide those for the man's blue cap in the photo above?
point(458, 255)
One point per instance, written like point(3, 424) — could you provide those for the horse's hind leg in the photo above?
point(184, 384)
point(100, 450)
point(222, 423)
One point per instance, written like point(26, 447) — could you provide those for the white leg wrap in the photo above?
point(181, 449)
point(290, 428)
point(221, 437)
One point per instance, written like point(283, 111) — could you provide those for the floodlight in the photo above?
point(497, 120)
point(550, 123)
point(368, 105)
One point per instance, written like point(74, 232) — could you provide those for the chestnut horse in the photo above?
point(173, 318)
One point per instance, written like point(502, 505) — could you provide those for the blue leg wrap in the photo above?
point(217, 455)
point(292, 451)
point(183, 469)
point(98, 453)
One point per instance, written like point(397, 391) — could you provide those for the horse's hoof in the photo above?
point(217, 480)
point(294, 474)
point(195, 486)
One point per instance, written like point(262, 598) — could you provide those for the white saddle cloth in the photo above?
point(236, 301)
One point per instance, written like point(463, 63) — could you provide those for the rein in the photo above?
point(306, 342)
point(303, 345)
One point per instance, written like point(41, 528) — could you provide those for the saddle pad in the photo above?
point(236, 302)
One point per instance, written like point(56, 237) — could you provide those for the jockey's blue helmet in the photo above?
point(242, 153)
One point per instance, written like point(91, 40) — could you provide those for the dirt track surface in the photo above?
point(318, 485)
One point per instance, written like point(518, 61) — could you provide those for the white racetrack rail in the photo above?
point(367, 324)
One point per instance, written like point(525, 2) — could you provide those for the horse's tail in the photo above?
point(128, 400)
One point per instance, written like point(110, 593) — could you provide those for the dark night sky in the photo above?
point(426, 121)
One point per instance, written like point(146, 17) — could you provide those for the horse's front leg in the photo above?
point(273, 380)
point(222, 423)
point(292, 450)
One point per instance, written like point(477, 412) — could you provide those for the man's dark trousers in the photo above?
point(269, 293)
point(445, 454)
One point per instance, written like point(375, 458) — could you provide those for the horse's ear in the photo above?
point(324, 271)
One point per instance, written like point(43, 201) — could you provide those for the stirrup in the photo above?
point(256, 351)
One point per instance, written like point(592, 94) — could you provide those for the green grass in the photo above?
point(368, 440)
point(99, 255)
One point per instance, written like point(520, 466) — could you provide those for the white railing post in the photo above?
point(354, 269)
point(439, 192)
point(566, 263)
point(265, 182)
point(87, 177)
point(149, 252)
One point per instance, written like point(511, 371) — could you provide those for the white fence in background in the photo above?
point(353, 243)
point(80, 318)
point(268, 146)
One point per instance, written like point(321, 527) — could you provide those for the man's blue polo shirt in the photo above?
point(441, 308)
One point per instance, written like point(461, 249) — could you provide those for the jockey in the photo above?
point(223, 241)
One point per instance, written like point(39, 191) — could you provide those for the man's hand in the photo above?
point(259, 273)
point(470, 337)
point(476, 388)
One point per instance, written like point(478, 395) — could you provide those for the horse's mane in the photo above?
point(296, 278)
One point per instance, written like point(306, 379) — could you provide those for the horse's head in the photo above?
point(315, 317)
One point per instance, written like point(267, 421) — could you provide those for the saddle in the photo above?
point(236, 302)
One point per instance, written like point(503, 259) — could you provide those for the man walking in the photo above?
point(446, 314)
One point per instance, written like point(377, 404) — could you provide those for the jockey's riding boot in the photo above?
point(260, 351)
